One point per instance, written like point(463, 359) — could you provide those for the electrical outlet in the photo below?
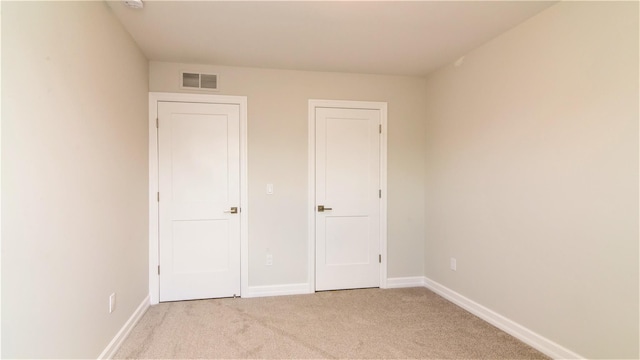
point(112, 303)
point(269, 261)
point(453, 264)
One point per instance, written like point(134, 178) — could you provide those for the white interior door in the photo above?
point(347, 186)
point(199, 186)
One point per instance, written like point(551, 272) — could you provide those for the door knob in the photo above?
point(233, 210)
point(321, 208)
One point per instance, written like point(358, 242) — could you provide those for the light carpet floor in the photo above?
point(367, 323)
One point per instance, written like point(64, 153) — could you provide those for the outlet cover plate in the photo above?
point(112, 303)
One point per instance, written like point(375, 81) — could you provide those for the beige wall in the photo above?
point(532, 176)
point(277, 131)
point(74, 178)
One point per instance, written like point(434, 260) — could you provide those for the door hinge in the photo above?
point(380, 128)
point(158, 269)
point(157, 123)
point(379, 259)
point(158, 196)
point(380, 194)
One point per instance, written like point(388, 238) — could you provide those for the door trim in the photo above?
point(154, 98)
point(311, 236)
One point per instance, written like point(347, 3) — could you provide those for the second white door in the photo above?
point(347, 198)
point(199, 199)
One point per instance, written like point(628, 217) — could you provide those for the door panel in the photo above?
point(346, 240)
point(193, 250)
point(347, 182)
point(199, 181)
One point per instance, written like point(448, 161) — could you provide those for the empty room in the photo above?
point(320, 179)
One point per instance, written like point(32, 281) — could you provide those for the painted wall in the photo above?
point(277, 151)
point(74, 178)
point(532, 176)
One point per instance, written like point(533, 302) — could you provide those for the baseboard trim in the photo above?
point(117, 341)
point(509, 326)
point(404, 282)
point(276, 290)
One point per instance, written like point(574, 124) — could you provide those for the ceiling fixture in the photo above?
point(134, 4)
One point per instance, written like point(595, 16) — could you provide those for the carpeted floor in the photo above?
point(367, 323)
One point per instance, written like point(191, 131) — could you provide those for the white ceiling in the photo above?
point(391, 37)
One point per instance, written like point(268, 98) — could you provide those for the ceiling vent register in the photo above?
point(191, 80)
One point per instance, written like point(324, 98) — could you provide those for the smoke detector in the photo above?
point(134, 4)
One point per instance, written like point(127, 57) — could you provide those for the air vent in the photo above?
point(191, 80)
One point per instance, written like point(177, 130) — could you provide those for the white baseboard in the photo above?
point(404, 282)
point(117, 341)
point(512, 328)
point(276, 290)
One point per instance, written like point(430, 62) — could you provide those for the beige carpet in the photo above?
point(368, 323)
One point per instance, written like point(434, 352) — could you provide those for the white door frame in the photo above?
point(154, 98)
point(382, 107)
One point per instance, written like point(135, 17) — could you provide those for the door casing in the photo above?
point(154, 98)
point(382, 107)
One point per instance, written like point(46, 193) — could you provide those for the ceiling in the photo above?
point(377, 37)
